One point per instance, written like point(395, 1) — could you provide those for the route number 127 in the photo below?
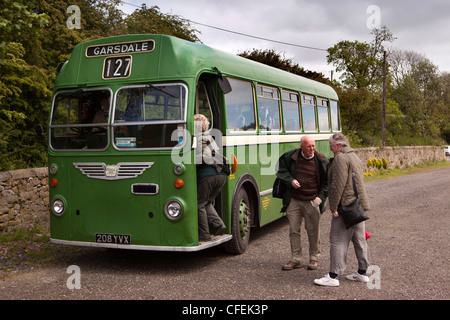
point(117, 67)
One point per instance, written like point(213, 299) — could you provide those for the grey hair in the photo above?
point(339, 138)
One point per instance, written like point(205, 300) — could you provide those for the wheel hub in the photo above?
point(244, 219)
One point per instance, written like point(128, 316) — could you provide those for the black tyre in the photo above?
point(240, 223)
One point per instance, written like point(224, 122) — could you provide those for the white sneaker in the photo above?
point(355, 276)
point(327, 281)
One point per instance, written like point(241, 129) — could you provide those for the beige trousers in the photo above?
point(310, 212)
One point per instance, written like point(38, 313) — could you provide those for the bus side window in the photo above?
point(323, 114)
point(309, 113)
point(334, 115)
point(239, 107)
point(269, 109)
point(291, 113)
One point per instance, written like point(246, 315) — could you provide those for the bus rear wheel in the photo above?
point(240, 223)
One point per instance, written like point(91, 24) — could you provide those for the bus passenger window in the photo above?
point(323, 114)
point(269, 109)
point(291, 113)
point(334, 115)
point(239, 107)
point(309, 113)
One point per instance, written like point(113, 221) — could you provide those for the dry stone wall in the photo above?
point(401, 157)
point(24, 196)
point(24, 199)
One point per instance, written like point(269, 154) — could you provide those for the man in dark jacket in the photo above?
point(304, 171)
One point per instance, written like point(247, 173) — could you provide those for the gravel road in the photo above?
point(409, 223)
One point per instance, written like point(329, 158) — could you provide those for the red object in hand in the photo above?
point(367, 235)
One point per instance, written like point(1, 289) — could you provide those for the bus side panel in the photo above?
point(268, 154)
point(60, 227)
point(183, 232)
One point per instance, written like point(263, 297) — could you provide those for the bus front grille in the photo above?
point(122, 170)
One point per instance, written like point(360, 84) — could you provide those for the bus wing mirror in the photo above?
point(224, 84)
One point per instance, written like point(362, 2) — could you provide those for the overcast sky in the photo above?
point(420, 26)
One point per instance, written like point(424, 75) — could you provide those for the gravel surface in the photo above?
point(408, 222)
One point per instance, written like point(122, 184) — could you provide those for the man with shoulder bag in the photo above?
point(345, 188)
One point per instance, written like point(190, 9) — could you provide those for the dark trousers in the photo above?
point(208, 188)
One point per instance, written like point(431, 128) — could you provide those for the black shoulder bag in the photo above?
point(354, 212)
point(279, 189)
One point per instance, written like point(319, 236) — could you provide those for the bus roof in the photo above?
point(176, 59)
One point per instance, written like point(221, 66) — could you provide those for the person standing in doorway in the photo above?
point(210, 180)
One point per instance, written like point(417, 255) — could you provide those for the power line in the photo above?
point(242, 34)
point(256, 37)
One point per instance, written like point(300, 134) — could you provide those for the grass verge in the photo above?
point(24, 249)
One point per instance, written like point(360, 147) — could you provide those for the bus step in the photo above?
point(215, 240)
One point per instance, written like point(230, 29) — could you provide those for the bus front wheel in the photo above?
point(240, 223)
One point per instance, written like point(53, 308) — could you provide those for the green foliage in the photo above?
point(151, 20)
point(446, 133)
point(34, 39)
point(360, 62)
point(271, 58)
point(417, 102)
point(17, 18)
point(24, 91)
point(21, 233)
point(384, 163)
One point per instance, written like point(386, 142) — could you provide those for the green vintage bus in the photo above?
point(122, 168)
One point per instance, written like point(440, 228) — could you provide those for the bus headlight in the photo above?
point(173, 210)
point(58, 207)
point(53, 169)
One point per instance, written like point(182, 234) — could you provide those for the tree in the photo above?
point(24, 94)
point(361, 63)
point(402, 62)
point(151, 20)
point(422, 95)
point(17, 18)
point(446, 101)
point(110, 21)
point(272, 58)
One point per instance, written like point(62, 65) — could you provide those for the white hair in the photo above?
point(339, 138)
point(201, 123)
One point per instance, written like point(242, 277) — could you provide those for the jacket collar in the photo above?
point(346, 150)
point(317, 155)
